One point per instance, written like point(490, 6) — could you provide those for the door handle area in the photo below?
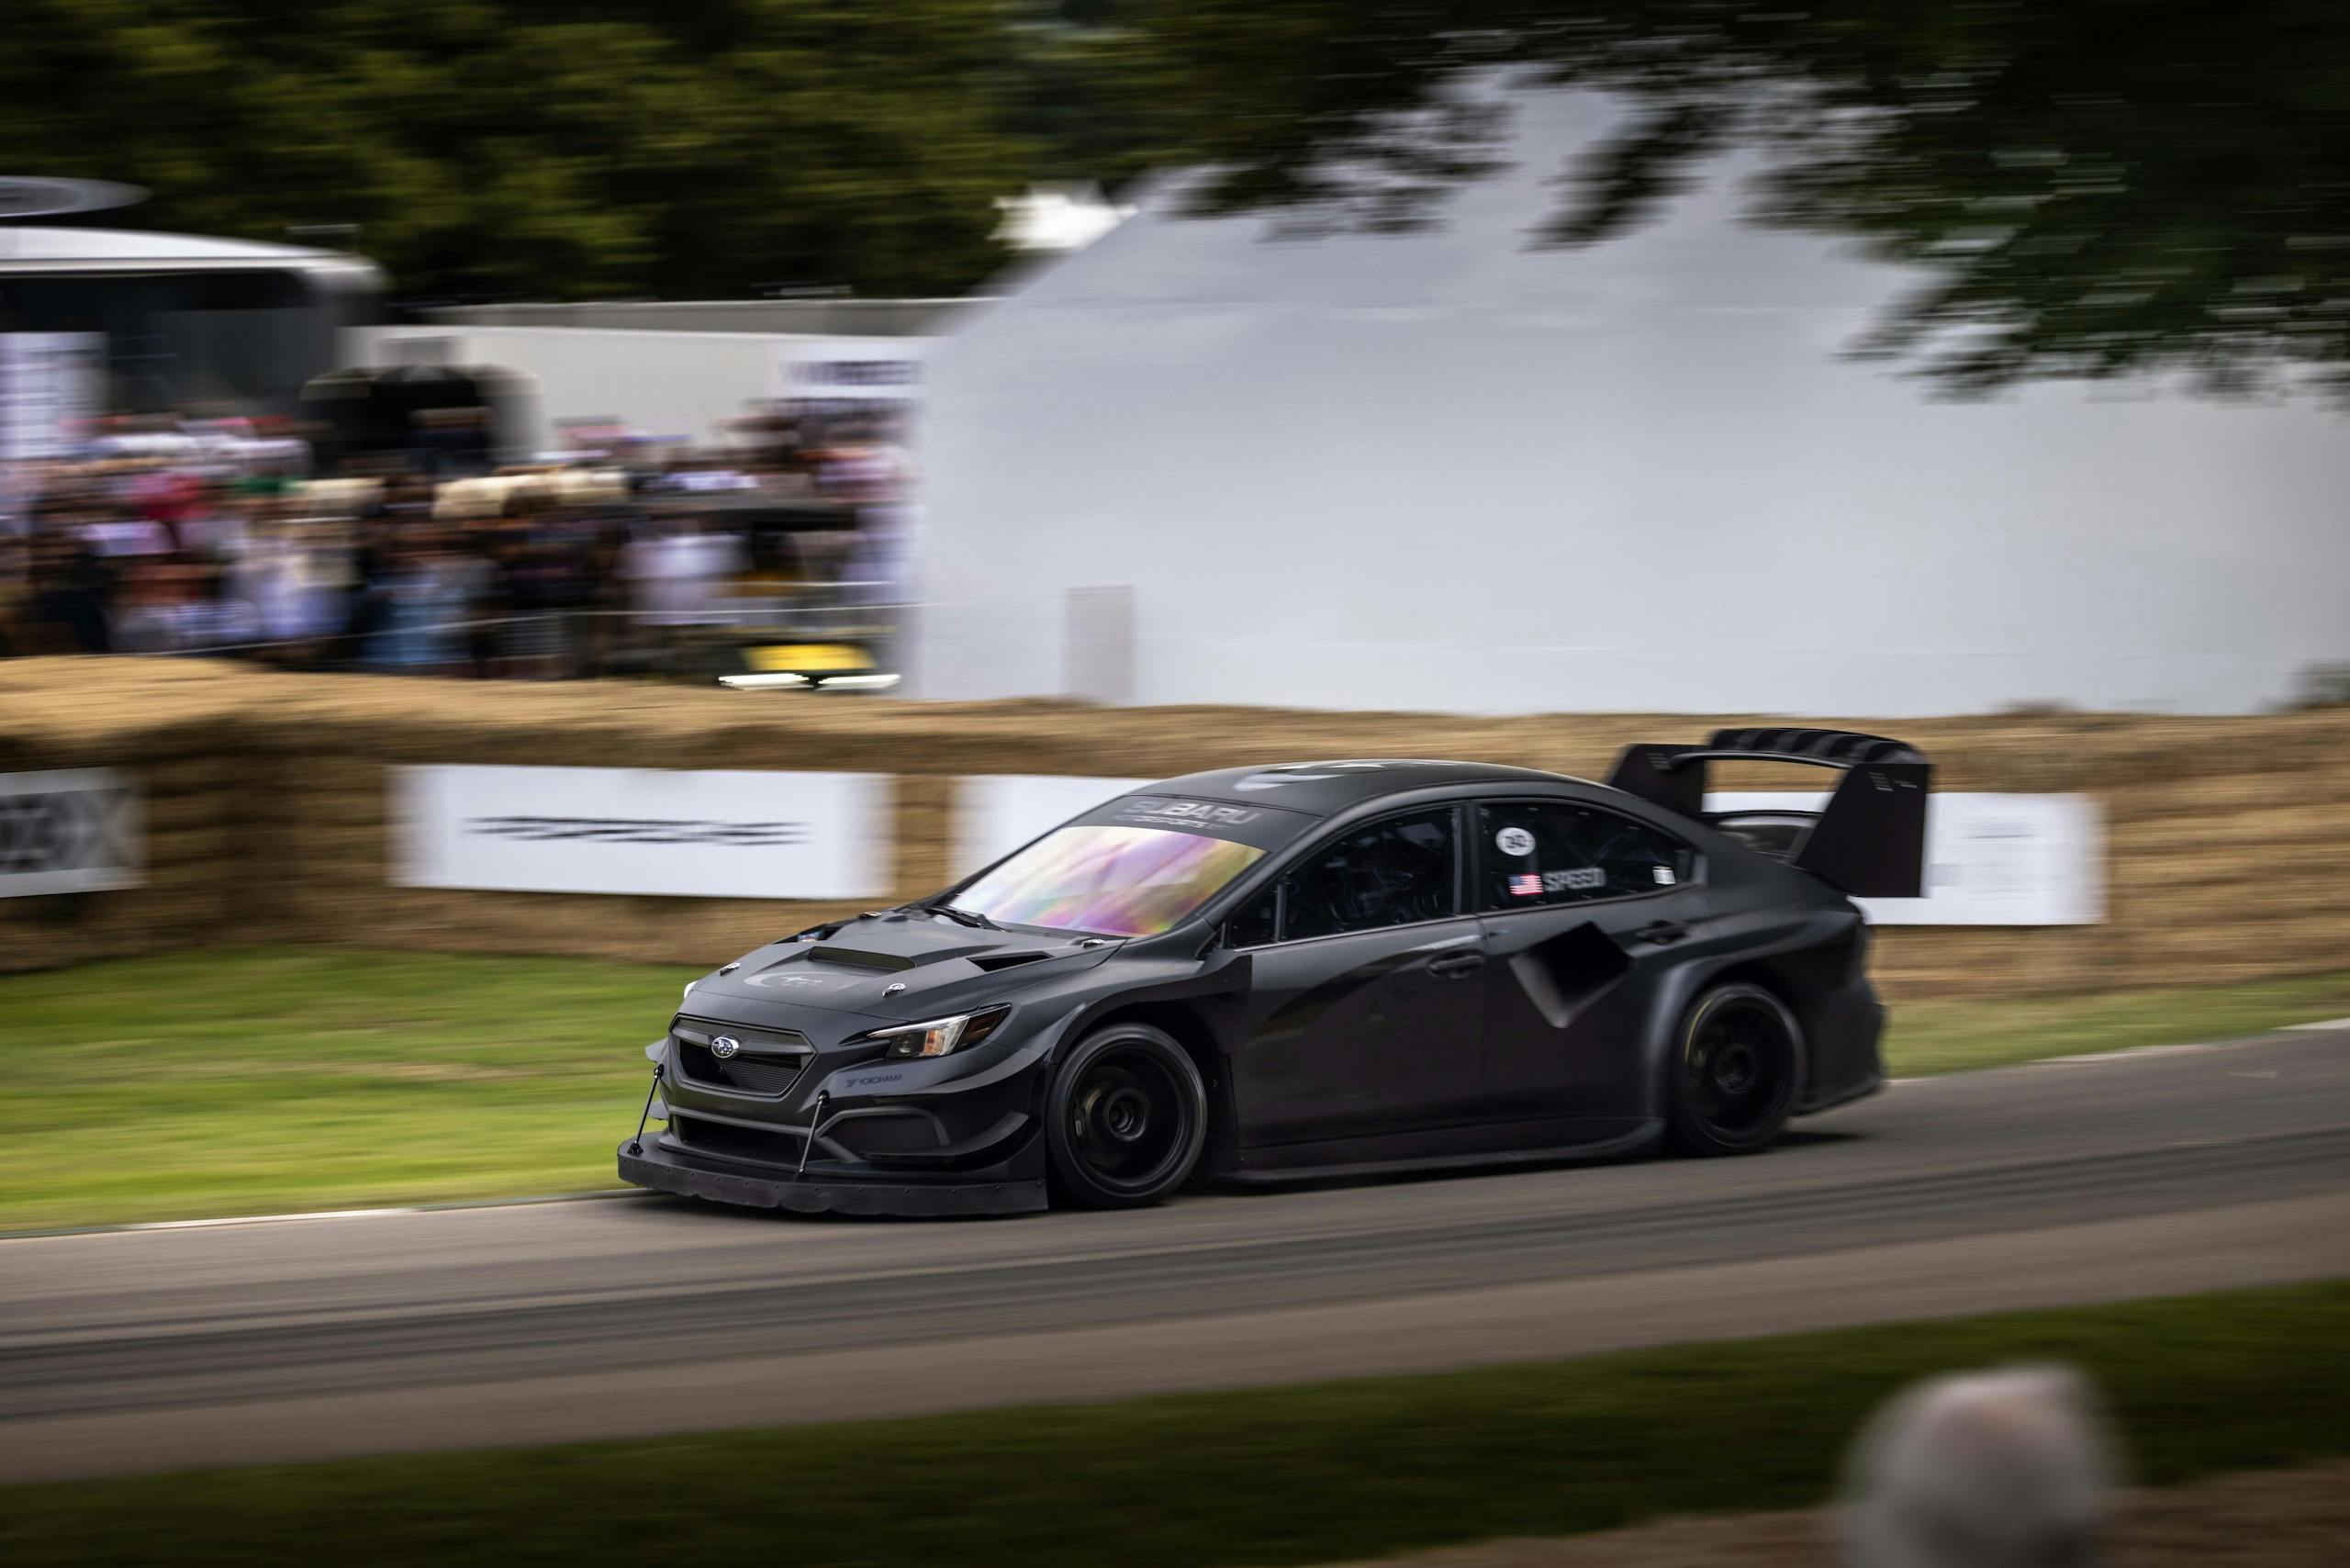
point(1661, 932)
point(1456, 964)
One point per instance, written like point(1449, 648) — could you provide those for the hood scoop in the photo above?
point(874, 962)
point(859, 957)
point(991, 962)
point(893, 971)
point(908, 951)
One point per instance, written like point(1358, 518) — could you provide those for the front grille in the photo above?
point(770, 1062)
point(729, 1141)
point(752, 1075)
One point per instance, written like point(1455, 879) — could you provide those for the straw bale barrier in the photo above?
point(2228, 839)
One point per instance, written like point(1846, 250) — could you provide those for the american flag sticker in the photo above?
point(1529, 886)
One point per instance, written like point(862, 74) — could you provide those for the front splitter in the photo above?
point(651, 1166)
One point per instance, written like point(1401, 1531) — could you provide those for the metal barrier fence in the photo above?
point(578, 643)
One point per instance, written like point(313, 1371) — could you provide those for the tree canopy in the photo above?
point(2086, 187)
point(2090, 187)
point(493, 148)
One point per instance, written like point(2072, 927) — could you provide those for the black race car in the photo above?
point(1266, 973)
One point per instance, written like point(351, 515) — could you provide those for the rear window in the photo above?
point(1550, 852)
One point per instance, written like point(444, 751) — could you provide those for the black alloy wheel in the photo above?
point(1128, 1118)
point(1737, 1072)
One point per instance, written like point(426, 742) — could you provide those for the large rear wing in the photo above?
point(1868, 839)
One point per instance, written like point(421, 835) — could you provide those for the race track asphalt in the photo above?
point(2150, 1174)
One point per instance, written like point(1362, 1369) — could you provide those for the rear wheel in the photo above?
point(1738, 1065)
point(1127, 1119)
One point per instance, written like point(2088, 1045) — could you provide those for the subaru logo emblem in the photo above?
point(724, 1046)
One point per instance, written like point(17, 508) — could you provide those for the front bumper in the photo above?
point(657, 1164)
point(943, 1135)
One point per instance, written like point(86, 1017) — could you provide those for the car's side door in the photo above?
point(1364, 1010)
point(1582, 905)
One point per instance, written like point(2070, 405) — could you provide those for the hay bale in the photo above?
point(266, 799)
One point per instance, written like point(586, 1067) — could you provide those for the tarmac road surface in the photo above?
point(2153, 1172)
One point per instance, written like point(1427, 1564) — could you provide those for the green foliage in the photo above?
point(2091, 187)
point(487, 148)
point(1325, 1473)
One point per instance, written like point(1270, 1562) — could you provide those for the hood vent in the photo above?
point(858, 958)
point(991, 962)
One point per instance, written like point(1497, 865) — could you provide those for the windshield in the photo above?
point(1120, 882)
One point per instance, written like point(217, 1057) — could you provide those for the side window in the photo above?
point(1391, 873)
point(1551, 851)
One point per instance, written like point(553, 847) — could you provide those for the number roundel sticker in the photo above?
point(1514, 841)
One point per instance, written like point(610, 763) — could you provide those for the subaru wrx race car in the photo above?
point(1263, 974)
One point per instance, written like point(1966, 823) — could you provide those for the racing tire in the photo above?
point(1126, 1119)
point(1738, 1065)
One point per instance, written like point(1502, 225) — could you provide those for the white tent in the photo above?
point(1450, 470)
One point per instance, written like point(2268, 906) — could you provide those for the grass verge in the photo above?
point(1953, 1036)
point(256, 1082)
point(1317, 1474)
point(243, 1081)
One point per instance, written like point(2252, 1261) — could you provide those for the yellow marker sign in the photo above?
point(810, 658)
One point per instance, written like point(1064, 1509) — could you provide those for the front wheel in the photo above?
point(1128, 1116)
point(1737, 1064)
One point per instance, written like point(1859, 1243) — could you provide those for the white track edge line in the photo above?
point(222, 1222)
point(264, 1219)
point(2187, 1049)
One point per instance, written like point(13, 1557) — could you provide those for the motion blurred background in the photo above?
point(872, 433)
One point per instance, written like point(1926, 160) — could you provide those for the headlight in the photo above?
point(940, 1036)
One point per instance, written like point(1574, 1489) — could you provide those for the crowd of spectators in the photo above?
point(251, 539)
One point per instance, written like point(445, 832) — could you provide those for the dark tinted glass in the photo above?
point(1253, 926)
point(1392, 873)
point(1537, 853)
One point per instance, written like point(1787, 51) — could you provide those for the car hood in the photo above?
point(899, 967)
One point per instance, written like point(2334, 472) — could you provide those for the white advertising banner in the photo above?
point(1990, 859)
point(995, 813)
point(48, 382)
point(641, 830)
point(849, 370)
point(72, 830)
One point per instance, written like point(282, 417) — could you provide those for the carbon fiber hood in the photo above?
point(902, 968)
